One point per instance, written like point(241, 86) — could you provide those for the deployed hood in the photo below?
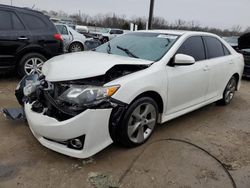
point(244, 41)
point(83, 65)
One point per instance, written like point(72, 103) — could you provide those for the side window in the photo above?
point(112, 32)
point(9, 21)
point(62, 29)
point(33, 22)
point(5, 20)
point(226, 51)
point(17, 24)
point(214, 47)
point(194, 47)
point(119, 32)
point(65, 30)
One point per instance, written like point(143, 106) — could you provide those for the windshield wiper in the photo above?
point(127, 51)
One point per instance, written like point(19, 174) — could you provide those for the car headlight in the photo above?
point(77, 94)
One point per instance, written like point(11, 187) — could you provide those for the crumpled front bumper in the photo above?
point(93, 124)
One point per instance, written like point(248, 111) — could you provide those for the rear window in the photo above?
point(214, 47)
point(9, 21)
point(33, 22)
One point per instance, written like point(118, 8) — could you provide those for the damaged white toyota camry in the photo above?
point(118, 92)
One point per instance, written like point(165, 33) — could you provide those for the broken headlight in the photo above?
point(85, 95)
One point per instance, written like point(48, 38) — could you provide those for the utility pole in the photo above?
point(11, 2)
point(151, 11)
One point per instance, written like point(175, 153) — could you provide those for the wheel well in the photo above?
point(22, 54)
point(154, 95)
point(237, 76)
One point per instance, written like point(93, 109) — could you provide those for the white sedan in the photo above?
point(118, 92)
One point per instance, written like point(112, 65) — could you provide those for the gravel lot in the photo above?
point(223, 131)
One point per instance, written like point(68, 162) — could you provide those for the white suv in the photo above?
point(109, 34)
point(118, 93)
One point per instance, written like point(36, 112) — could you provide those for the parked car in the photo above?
point(92, 44)
point(118, 92)
point(232, 41)
point(73, 41)
point(244, 48)
point(108, 34)
point(27, 39)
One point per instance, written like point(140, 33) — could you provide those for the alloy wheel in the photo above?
point(141, 123)
point(33, 65)
point(230, 90)
point(75, 48)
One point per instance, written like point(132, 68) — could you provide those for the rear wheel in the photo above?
point(76, 47)
point(138, 123)
point(229, 92)
point(31, 64)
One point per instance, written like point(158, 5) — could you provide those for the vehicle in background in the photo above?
point(107, 34)
point(27, 39)
point(82, 29)
point(122, 89)
point(73, 41)
point(91, 44)
point(70, 23)
point(244, 48)
point(232, 41)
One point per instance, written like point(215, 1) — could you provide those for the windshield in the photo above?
point(147, 46)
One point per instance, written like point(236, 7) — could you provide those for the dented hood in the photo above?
point(82, 65)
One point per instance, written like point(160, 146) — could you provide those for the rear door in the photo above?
point(13, 37)
point(219, 66)
point(187, 85)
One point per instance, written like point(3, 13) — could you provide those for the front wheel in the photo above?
point(31, 63)
point(138, 123)
point(229, 92)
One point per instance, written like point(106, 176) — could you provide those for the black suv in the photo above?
point(244, 48)
point(27, 39)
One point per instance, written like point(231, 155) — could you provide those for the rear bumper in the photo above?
point(93, 124)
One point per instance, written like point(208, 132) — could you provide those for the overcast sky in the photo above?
point(213, 13)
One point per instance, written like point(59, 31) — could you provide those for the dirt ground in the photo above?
point(223, 131)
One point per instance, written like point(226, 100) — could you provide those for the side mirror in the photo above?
point(182, 59)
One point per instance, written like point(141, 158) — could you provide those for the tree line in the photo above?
point(120, 21)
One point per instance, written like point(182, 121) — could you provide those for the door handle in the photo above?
point(22, 38)
point(206, 68)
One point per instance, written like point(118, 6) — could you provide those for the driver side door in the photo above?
point(187, 85)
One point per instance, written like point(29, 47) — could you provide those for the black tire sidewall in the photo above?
point(123, 128)
point(20, 70)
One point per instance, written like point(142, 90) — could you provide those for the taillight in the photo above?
point(58, 36)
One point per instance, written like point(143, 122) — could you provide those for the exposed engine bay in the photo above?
point(52, 98)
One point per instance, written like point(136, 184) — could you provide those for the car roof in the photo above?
point(20, 8)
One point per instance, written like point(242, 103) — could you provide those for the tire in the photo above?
point(104, 40)
point(138, 123)
point(31, 63)
point(76, 47)
point(229, 92)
